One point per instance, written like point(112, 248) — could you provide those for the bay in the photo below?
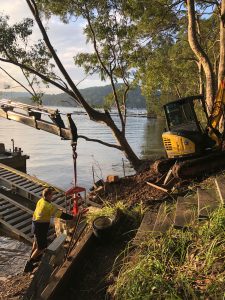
point(51, 158)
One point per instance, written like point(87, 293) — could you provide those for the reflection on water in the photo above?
point(152, 146)
point(13, 255)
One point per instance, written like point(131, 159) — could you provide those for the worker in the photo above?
point(43, 213)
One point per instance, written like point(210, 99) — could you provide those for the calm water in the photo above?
point(51, 160)
point(51, 157)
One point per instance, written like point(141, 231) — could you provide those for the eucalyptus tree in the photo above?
point(14, 47)
point(216, 74)
point(107, 31)
point(169, 26)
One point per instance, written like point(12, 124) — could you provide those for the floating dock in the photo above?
point(19, 193)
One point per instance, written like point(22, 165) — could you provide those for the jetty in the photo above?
point(19, 193)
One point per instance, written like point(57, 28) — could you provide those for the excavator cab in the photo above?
point(185, 136)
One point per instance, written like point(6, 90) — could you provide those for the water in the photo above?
point(51, 157)
point(51, 161)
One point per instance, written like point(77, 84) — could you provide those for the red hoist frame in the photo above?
point(75, 190)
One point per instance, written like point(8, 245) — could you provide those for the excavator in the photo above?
point(193, 142)
point(48, 120)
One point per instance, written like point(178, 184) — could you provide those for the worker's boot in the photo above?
point(29, 266)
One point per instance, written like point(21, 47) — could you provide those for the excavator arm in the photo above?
point(33, 116)
point(217, 114)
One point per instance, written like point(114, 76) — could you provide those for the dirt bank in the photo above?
point(131, 189)
point(13, 287)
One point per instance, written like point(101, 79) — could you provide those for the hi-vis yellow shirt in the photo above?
point(45, 210)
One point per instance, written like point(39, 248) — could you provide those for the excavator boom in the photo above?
point(32, 116)
point(217, 109)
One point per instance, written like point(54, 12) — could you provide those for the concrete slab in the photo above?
point(186, 212)
point(208, 201)
point(220, 184)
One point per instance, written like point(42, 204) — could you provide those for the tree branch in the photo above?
point(14, 79)
point(109, 73)
point(45, 78)
point(100, 142)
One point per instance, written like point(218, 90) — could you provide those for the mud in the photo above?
point(13, 255)
point(131, 189)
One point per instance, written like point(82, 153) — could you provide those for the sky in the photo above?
point(67, 39)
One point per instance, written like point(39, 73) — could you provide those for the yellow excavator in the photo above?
point(193, 146)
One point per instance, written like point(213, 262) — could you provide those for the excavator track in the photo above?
point(192, 168)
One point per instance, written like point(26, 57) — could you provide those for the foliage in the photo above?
point(165, 64)
point(15, 47)
point(110, 32)
point(179, 265)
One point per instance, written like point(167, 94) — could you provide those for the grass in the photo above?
point(110, 210)
point(179, 265)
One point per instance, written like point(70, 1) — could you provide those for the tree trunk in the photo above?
point(119, 135)
point(201, 85)
point(75, 93)
point(201, 55)
point(221, 70)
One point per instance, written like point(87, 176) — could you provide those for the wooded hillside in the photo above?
point(94, 95)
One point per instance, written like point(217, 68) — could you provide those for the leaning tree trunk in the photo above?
point(221, 70)
point(201, 55)
point(75, 93)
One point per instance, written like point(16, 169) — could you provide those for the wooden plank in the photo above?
point(23, 183)
point(38, 190)
point(165, 218)
point(23, 224)
point(16, 231)
point(168, 176)
point(26, 229)
point(207, 202)
point(220, 184)
point(20, 218)
point(186, 212)
point(13, 215)
point(56, 244)
point(31, 188)
point(146, 227)
point(59, 200)
point(3, 201)
point(58, 278)
point(34, 187)
point(157, 187)
point(56, 196)
point(9, 211)
point(4, 172)
point(26, 188)
point(10, 176)
point(6, 206)
point(40, 278)
point(19, 180)
point(16, 203)
point(29, 184)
